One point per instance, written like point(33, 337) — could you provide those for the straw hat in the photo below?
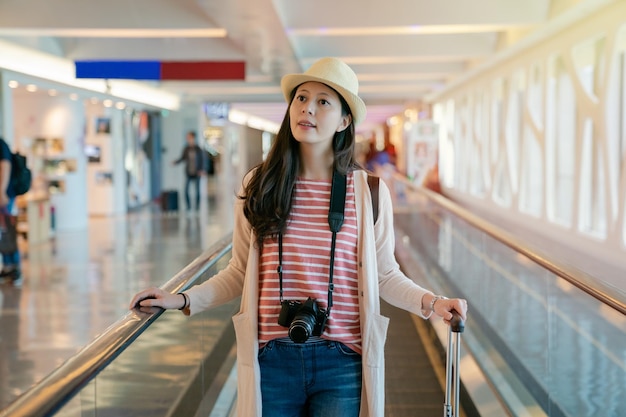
point(336, 74)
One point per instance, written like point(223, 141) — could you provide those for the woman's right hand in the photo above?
point(156, 297)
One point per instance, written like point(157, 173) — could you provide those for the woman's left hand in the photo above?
point(443, 308)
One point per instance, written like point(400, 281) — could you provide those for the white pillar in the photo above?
point(6, 109)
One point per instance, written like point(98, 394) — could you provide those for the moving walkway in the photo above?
point(540, 340)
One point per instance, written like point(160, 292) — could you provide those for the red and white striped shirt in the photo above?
point(306, 262)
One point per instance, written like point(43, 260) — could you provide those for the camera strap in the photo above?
point(335, 221)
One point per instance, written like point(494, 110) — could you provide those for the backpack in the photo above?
point(373, 181)
point(21, 175)
point(210, 164)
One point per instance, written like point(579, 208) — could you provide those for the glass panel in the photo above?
point(502, 191)
point(534, 93)
point(484, 140)
point(443, 118)
point(514, 123)
point(495, 130)
point(460, 144)
point(531, 189)
point(478, 140)
point(616, 113)
point(613, 121)
point(560, 142)
point(561, 349)
point(589, 59)
point(167, 370)
point(592, 215)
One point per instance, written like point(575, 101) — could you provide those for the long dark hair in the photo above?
point(269, 193)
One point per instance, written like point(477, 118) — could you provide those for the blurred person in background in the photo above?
point(194, 158)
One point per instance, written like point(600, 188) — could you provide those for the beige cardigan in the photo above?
point(379, 276)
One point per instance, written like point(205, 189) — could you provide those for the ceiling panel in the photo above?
point(401, 50)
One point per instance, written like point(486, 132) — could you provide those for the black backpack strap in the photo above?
point(373, 181)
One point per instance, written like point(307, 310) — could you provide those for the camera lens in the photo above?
point(305, 320)
point(301, 328)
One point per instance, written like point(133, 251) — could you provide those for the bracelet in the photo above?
point(186, 298)
point(435, 298)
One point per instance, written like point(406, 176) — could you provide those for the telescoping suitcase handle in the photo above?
point(452, 365)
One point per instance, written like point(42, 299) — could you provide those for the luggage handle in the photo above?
point(457, 325)
point(453, 357)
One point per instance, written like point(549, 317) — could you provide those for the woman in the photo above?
point(281, 265)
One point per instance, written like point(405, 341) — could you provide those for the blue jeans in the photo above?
point(187, 185)
point(11, 259)
point(318, 379)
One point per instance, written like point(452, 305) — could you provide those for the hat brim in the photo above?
point(357, 106)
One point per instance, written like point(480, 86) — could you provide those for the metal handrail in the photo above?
point(576, 277)
point(54, 391)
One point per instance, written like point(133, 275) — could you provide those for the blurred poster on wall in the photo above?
point(422, 150)
point(137, 162)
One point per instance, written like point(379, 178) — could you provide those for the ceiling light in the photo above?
point(120, 33)
point(13, 84)
point(31, 88)
point(237, 117)
point(401, 30)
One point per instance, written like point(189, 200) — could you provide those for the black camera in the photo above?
point(303, 319)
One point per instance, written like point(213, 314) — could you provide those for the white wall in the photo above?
point(106, 197)
point(39, 115)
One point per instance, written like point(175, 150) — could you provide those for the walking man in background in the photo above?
point(193, 156)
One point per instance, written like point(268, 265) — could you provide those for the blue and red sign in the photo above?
point(162, 70)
